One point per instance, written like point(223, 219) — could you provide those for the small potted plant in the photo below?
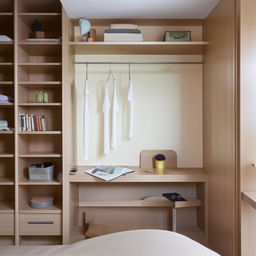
point(159, 160)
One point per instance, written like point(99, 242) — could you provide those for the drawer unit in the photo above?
point(40, 224)
point(6, 224)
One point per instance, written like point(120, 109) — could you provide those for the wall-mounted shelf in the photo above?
point(181, 48)
point(148, 202)
point(6, 155)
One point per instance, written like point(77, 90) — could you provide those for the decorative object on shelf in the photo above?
point(41, 171)
point(92, 35)
point(85, 27)
point(37, 27)
point(159, 160)
point(42, 97)
point(177, 36)
point(72, 171)
point(40, 202)
point(32, 122)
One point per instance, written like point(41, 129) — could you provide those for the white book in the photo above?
point(107, 173)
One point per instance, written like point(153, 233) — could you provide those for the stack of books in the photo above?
point(32, 122)
point(123, 33)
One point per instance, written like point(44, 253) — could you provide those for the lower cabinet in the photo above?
point(40, 224)
point(6, 224)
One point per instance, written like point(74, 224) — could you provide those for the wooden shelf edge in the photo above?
point(33, 64)
point(39, 132)
point(39, 13)
point(152, 43)
point(148, 202)
point(40, 82)
point(39, 104)
point(39, 155)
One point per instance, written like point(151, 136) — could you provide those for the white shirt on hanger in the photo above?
point(130, 100)
point(106, 107)
point(115, 110)
point(86, 122)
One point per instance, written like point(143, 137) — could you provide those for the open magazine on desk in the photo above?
point(107, 173)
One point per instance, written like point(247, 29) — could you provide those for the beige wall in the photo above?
point(219, 94)
point(168, 109)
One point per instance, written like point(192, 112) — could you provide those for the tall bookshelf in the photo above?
point(25, 69)
point(7, 146)
point(39, 66)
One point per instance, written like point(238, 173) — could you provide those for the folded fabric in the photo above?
point(131, 31)
point(123, 26)
point(3, 98)
point(4, 38)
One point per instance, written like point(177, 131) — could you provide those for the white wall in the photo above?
point(168, 109)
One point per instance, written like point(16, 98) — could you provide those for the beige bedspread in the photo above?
point(129, 243)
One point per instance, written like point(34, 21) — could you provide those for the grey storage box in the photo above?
point(41, 171)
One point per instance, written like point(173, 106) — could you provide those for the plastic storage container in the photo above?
point(41, 171)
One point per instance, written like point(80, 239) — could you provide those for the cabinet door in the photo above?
point(248, 123)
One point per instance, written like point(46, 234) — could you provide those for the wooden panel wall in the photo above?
point(248, 121)
point(219, 97)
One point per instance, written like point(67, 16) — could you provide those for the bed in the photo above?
point(132, 243)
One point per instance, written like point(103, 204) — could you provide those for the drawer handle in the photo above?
point(40, 222)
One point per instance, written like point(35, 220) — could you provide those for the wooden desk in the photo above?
point(196, 176)
point(173, 175)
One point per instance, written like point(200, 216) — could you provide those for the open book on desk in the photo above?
point(107, 173)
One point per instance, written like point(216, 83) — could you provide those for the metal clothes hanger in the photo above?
point(110, 74)
point(129, 71)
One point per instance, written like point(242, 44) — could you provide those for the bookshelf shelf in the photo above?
point(6, 82)
point(39, 43)
point(42, 183)
point(36, 83)
point(6, 13)
point(6, 63)
point(6, 181)
point(40, 132)
point(6, 206)
point(27, 209)
point(40, 104)
point(6, 155)
point(40, 64)
point(40, 155)
point(39, 14)
point(6, 104)
point(6, 132)
point(6, 43)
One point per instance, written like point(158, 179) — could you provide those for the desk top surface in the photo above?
point(170, 175)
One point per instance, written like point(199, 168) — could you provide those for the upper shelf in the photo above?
point(178, 48)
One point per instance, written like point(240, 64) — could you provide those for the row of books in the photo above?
point(123, 33)
point(32, 122)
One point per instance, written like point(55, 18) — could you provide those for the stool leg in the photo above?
point(174, 223)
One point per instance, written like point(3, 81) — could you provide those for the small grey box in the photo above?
point(177, 36)
point(41, 171)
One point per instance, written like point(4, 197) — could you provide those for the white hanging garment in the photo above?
point(106, 107)
point(86, 123)
point(115, 110)
point(130, 101)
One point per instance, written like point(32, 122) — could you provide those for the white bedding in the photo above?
point(129, 243)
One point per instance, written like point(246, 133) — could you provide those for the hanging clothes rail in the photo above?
point(135, 63)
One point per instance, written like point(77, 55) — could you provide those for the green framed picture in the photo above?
point(177, 36)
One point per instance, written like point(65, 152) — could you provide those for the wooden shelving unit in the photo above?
point(7, 145)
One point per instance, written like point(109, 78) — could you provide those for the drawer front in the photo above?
point(40, 224)
point(6, 224)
